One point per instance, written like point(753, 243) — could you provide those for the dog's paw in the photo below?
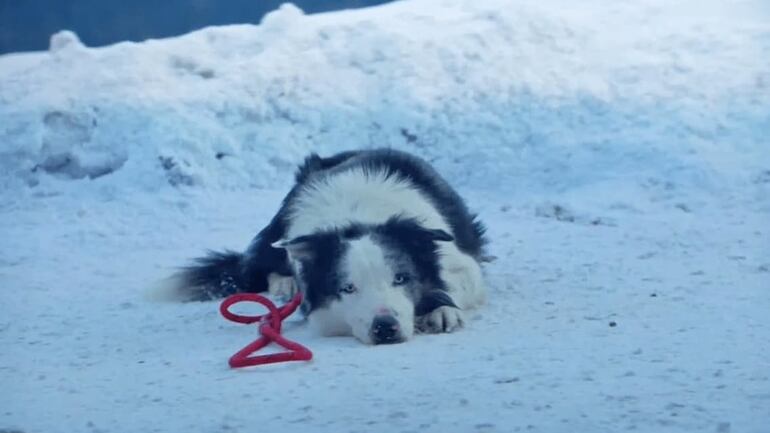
point(442, 319)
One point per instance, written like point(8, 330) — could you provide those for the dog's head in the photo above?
point(368, 280)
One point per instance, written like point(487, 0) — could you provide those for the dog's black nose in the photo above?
point(385, 330)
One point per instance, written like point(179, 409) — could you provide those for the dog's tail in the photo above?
point(216, 275)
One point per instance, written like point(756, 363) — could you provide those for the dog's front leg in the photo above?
point(437, 312)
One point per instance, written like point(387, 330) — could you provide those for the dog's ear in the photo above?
point(310, 247)
point(439, 235)
point(412, 231)
point(299, 248)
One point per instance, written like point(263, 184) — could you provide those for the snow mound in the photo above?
point(563, 94)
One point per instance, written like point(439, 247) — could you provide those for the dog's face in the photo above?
point(367, 280)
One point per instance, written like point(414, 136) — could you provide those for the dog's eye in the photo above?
point(348, 288)
point(401, 279)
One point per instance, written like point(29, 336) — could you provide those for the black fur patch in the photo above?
point(319, 273)
point(315, 163)
point(407, 236)
point(261, 259)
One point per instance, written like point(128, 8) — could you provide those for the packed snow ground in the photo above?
point(618, 153)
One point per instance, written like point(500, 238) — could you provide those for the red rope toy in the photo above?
point(269, 329)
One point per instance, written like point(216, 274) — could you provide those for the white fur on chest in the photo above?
point(359, 197)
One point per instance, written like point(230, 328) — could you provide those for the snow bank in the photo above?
point(529, 94)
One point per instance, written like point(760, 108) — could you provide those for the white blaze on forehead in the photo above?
point(360, 196)
point(364, 265)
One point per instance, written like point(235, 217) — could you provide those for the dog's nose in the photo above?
point(385, 330)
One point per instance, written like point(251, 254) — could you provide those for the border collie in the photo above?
point(378, 243)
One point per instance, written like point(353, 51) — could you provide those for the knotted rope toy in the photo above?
point(269, 329)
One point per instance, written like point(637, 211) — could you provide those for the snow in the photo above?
point(617, 151)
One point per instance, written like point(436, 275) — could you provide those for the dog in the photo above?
point(377, 242)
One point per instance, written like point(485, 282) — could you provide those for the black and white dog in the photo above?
point(377, 242)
